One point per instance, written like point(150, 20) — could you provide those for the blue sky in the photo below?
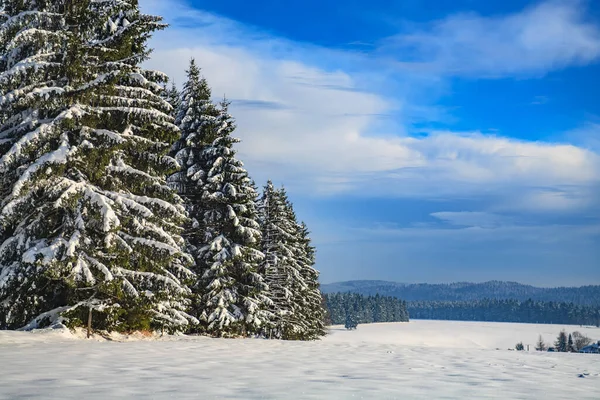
point(421, 141)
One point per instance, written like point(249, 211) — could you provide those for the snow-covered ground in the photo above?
point(416, 360)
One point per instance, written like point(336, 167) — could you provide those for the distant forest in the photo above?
point(528, 311)
point(462, 291)
point(368, 309)
point(364, 309)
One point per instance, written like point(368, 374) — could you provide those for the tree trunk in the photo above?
point(89, 324)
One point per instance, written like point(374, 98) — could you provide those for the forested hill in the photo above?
point(464, 291)
point(529, 311)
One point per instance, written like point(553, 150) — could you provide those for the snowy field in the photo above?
point(416, 360)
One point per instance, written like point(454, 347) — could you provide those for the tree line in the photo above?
point(529, 311)
point(564, 343)
point(466, 291)
point(377, 308)
point(123, 202)
point(353, 307)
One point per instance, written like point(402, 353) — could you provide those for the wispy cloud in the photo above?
point(328, 122)
point(469, 230)
point(259, 104)
point(548, 36)
point(586, 136)
point(305, 110)
point(472, 219)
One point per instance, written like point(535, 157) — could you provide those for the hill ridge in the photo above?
point(466, 291)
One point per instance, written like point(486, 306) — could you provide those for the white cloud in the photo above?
point(566, 200)
point(303, 122)
point(587, 136)
point(548, 36)
point(468, 230)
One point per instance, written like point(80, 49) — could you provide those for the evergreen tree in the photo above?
point(312, 310)
point(327, 316)
point(197, 118)
point(494, 290)
point(172, 96)
point(364, 308)
point(504, 311)
point(279, 266)
point(86, 220)
point(519, 346)
point(570, 346)
point(561, 343)
point(232, 292)
point(351, 321)
point(297, 312)
point(540, 344)
point(379, 313)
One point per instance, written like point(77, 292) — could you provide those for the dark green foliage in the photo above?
point(173, 97)
point(561, 344)
point(465, 291)
point(519, 346)
point(87, 220)
point(296, 310)
point(326, 313)
point(223, 235)
point(351, 321)
point(540, 345)
point(279, 266)
point(228, 256)
point(88, 224)
point(312, 310)
point(505, 311)
point(197, 118)
point(570, 346)
point(366, 309)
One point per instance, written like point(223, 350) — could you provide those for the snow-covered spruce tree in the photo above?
point(197, 118)
point(233, 293)
point(297, 312)
point(312, 310)
point(308, 298)
point(86, 220)
point(224, 236)
point(280, 267)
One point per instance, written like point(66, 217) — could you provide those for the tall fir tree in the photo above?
point(570, 345)
point(561, 343)
point(297, 312)
point(87, 220)
point(197, 118)
point(310, 299)
point(224, 235)
point(233, 293)
point(540, 345)
point(279, 266)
